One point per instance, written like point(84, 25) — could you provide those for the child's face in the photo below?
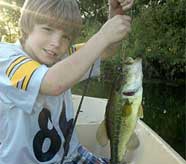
point(46, 44)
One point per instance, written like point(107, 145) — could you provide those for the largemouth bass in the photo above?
point(123, 110)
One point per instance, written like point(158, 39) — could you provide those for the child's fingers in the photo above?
point(114, 3)
point(126, 4)
point(126, 8)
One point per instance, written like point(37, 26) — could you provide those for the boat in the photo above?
point(152, 149)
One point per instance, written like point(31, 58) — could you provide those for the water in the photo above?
point(164, 112)
point(164, 109)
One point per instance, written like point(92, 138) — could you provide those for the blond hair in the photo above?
point(62, 14)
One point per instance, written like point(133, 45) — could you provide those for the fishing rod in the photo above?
point(72, 127)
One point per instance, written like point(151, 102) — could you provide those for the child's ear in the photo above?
point(23, 36)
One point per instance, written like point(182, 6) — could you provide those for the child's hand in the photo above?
point(115, 8)
point(126, 4)
point(115, 29)
point(119, 7)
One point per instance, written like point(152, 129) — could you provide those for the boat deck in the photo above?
point(152, 150)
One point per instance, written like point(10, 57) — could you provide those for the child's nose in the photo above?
point(56, 40)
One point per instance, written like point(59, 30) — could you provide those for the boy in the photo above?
point(35, 76)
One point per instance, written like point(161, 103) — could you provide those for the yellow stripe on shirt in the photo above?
point(24, 74)
point(75, 47)
point(14, 63)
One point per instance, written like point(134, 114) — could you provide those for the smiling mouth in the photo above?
point(50, 53)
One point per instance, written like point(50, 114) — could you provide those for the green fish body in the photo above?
point(123, 109)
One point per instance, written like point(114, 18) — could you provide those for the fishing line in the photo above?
point(71, 129)
point(119, 67)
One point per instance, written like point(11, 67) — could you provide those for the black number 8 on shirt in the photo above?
point(51, 134)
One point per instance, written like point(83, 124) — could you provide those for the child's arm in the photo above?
point(116, 7)
point(96, 66)
point(66, 73)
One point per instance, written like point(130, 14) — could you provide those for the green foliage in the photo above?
point(89, 29)
point(9, 15)
point(94, 14)
point(94, 10)
point(158, 35)
point(160, 31)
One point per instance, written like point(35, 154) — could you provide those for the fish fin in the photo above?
point(140, 111)
point(127, 109)
point(101, 134)
point(133, 142)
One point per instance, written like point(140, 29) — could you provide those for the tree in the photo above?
point(9, 15)
point(94, 10)
point(158, 35)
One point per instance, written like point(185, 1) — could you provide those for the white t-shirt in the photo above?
point(33, 127)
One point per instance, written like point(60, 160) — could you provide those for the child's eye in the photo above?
point(47, 28)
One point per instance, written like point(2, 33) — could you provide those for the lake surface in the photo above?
point(164, 108)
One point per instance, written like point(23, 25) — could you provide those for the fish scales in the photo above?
point(122, 112)
point(114, 120)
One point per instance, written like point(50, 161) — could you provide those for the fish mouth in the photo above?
point(130, 60)
point(130, 93)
